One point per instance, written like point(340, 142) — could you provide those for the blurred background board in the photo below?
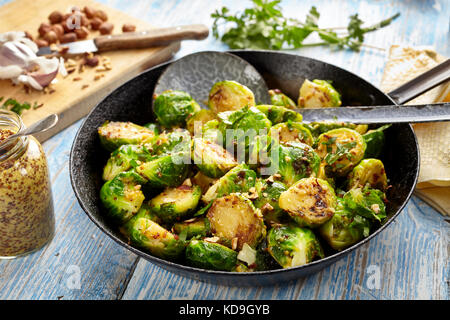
point(72, 100)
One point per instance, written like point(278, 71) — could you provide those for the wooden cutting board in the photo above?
point(70, 99)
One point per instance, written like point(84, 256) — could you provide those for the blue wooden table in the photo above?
point(409, 260)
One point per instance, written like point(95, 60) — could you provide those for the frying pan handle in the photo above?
point(151, 38)
point(422, 83)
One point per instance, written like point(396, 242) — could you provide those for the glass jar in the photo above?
point(26, 205)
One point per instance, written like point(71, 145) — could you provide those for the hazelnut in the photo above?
point(101, 15)
point(106, 28)
point(58, 29)
point(55, 17)
point(41, 43)
point(96, 23)
point(82, 33)
point(69, 37)
point(51, 37)
point(44, 28)
point(127, 27)
point(91, 61)
point(89, 12)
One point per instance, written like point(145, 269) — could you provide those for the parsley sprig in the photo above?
point(341, 150)
point(264, 27)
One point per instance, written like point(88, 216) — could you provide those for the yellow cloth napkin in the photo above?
point(405, 63)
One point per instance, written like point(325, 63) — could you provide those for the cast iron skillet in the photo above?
point(132, 101)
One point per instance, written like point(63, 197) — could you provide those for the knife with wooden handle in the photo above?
point(131, 40)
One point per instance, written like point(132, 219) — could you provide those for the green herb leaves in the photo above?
point(264, 27)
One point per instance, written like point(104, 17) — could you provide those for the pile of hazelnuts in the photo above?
point(75, 25)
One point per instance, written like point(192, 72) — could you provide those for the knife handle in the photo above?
point(151, 38)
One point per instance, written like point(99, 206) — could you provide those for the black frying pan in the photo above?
point(132, 101)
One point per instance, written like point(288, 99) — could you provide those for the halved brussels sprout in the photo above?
point(167, 171)
point(375, 142)
point(173, 107)
point(293, 246)
point(366, 202)
point(124, 158)
point(198, 119)
point(122, 196)
point(318, 94)
point(278, 98)
point(322, 174)
point(269, 192)
point(238, 179)
point(341, 149)
point(114, 134)
point(229, 95)
point(310, 202)
point(145, 233)
point(296, 160)
point(175, 204)
point(292, 131)
point(211, 159)
point(368, 172)
point(195, 227)
point(175, 141)
point(235, 220)
point(203, 181)
point(344, 229)
point(278, 114)
point(209, 255)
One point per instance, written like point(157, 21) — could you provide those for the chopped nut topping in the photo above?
point(234, 243)
point(212, 239)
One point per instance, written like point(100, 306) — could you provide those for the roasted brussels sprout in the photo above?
point(293, 246)
point(375, 142)
point(175, 141)
point(196, 227)
point(241, 127)
point(210, 255)
point(173, 107)
point(366, 202)
point(167, 171)
point(175, 204)
point(278, 114)
point(269, 192)
point(341, 149)
point(292, 131)
point(235, 220)
point(203, 181)
point(211, 159)
point(368, 172)
point(198, 119)
point(124, 158)
point(238, 179)
point(114, 134)
point(344, 229)
point(278, 98)
point(229, 95)
point(318, 94)
point(310, 202)
point(145, 233)
point(122, 196)
point(296, 160)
